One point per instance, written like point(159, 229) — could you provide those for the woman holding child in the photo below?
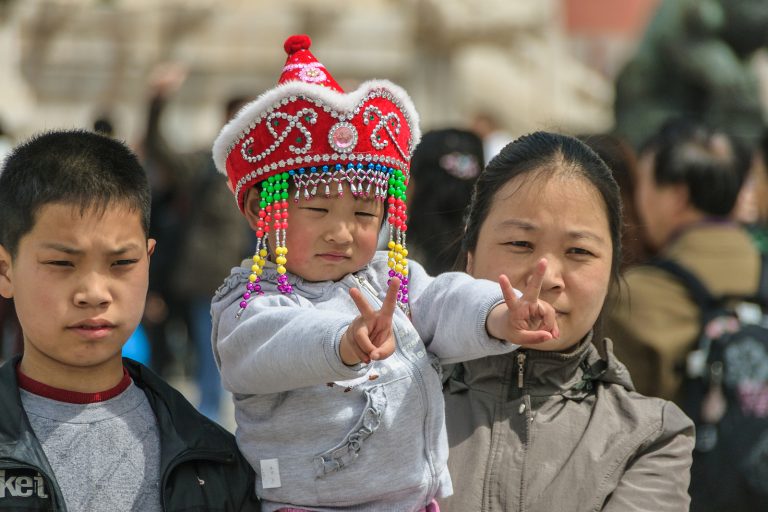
point(557, 427)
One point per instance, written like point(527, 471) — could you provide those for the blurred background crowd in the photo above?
point(165, 77)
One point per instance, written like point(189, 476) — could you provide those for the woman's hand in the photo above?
point(369, 336)
point(526, 320)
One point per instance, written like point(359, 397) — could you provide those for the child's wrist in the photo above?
point(347, 354)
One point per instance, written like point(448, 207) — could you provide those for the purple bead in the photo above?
point(251, 287)
point(247, 295)
point(257, 288)
point(243, 305)
point(404, 280)
point(405, 300)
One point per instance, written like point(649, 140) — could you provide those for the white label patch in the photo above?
point(270, 473)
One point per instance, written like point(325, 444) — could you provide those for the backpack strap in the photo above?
point(762, 289)
point(697, 290)
point(701, 294)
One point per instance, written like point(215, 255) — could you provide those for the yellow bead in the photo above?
point(391, 254)
point(398, 257)
point(399, 268)
point(391, 264)
point(280, 269)
point(391, 244)
point(405, 271)
point(254, 268)
point(404, 252)
point(263, 253)
point(255, 258)
point(280, 260)
point(258, 272)
point(398, 247)
point(252, 278)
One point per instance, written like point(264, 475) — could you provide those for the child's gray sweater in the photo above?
point(325, 436)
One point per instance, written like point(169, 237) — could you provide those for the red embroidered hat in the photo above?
point(307, 132)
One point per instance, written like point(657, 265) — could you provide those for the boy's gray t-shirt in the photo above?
point(105, 455)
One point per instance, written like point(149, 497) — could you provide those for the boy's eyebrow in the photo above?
point(73, 251)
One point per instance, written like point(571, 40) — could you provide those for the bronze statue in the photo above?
point(693, 61)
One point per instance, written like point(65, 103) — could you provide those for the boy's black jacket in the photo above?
point(201, 467)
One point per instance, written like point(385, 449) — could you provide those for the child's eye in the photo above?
point(365, 214)
point(314, 209)
point(60, 263)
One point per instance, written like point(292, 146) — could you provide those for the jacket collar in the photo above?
point(182, 430)
point(17, 439)
point(574, 374)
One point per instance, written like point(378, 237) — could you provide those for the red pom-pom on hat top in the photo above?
point(302, 66)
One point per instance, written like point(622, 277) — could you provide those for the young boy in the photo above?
point(81, 428)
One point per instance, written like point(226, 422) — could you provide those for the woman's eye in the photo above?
point(519, 244)
point(315, 210)
point(365, 214)
point(580, 251)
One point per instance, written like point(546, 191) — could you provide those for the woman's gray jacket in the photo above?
point(535, 431)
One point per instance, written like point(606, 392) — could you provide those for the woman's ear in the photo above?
point(6, 273)
point(470, 264)
point(251, 208)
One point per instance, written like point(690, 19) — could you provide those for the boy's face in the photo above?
point(79, 283)
point(330, 237)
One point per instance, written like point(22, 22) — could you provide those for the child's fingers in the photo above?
point(390, 301)
point(362, 305)
point(533, 286)
point(385, 350)
point(361, 343)
point(510, 297)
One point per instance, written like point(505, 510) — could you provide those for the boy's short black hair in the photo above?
point(75, 167)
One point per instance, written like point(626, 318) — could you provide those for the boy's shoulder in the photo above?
point(168, 403)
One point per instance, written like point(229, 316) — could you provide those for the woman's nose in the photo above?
point(553, 276)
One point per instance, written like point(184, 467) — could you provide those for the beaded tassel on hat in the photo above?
point(397, 219)
point(273, 209)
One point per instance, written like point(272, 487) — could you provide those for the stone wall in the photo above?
point(62, 62)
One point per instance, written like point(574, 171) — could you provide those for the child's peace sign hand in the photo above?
point(526, 320)
point(369, 336)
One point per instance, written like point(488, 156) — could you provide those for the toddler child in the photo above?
point(81, 428)
point(331, 349)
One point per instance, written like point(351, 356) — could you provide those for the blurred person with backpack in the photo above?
point(678, 317)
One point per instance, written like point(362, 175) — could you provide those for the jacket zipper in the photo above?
point(417, 377)
point(365, 284)
point(520, 369)
point(521, 357)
